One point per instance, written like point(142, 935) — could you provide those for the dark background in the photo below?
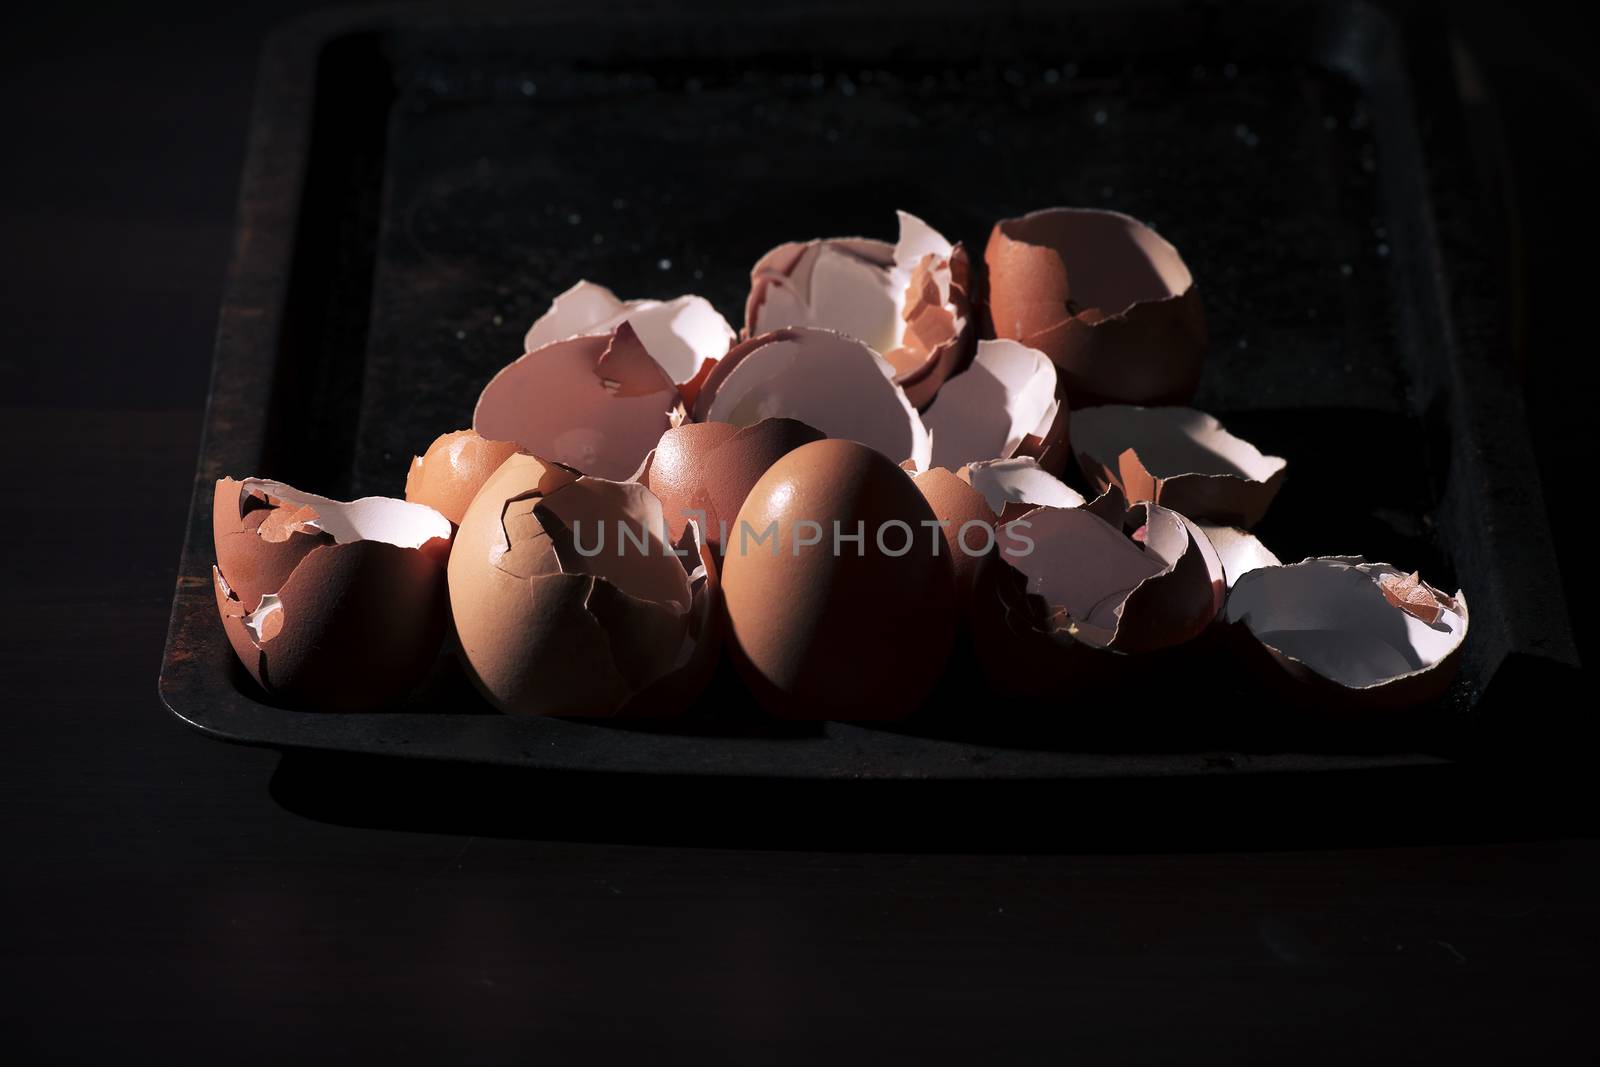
point(166, 897)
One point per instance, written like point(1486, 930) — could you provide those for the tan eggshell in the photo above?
point(557, 614)
point(1150, 581)
point(1179, 458)
point(704, 470)
point(824, 379)
point(449, 474)
point(1008, 402)
point(356, 621)
point(1333, 627)
point(910, 302)
point(594, 403)
point(1105, 297)
point(685, 335)
point(857, 634)
point(966, 520)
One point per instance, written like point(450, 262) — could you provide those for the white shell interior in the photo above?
point(1331, 616)
point(829, 381)
point(1169, 441)
point(984, 412)
point(1082, 565)
point(680, 334)
point(1020, 481)
point(1240, 551)
point(372, 518)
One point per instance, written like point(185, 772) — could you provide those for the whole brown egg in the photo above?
point(839, 589)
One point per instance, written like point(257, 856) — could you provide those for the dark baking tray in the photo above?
point(420, 184)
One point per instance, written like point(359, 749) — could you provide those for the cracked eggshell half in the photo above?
point(1150, 581)
point(1105, 297)
point(1014, 487)
point(567, 600)
point(685, 336)
point(1239, 550)
point(595, 403)
point(449, 474)
point(1179, 458)
point(910, 302)
point(823, 628)
point(702, 471)
point(1006, 403)
point(1356, 635)
point(340, 606)
point(824, 379)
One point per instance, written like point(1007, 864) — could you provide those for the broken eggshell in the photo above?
point(1353, 634)
point(567, 600)
point(909, 302)
point(702, 471)
point(825, 379)
point(1239, 550)
point(1014, 487)
point(449, 474)
point(328, 604)
point(1105, 297)
point(1177, 457)
point(685, 336)
point(1151, 580)
point(1006, 403)
point(596, 403)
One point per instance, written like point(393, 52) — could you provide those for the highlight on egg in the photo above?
point(449, 474)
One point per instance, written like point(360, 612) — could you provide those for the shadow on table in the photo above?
point(1441, 804)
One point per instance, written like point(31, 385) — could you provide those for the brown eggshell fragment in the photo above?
point(685, 335)
point(1332, 626)
point(967, 521)
point(825, 628)
point(824, 379)
point(594, 403)
point(1008, 397)
point(1177, 457)
point(1105, 297)
point(567, 600)
point(357, 619)
point(909, 302)
point(449, 474)
point(1153, 581)
point(1239, 550)
point(702, 471)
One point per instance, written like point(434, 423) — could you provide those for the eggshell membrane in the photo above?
point(685, 335)
point(1326, 625)
point(1008, 395)
point(820, 635)
point(1102, 295)
point(449, 474)
point(825, 379)
point(704, 470)
point(910, 302)
point(1157, 589)
point(1177, 457)
point(546, 629)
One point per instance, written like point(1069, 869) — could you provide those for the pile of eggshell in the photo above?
point(874, 386)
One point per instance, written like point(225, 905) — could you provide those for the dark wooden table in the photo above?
point(171, 899)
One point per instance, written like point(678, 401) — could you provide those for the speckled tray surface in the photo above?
point(420, 185)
